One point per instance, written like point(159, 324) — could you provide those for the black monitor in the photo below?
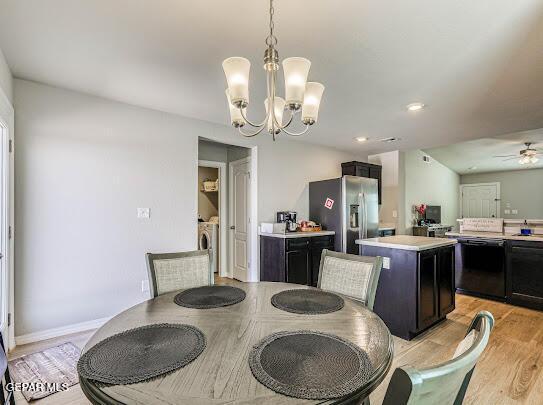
point(433, 214)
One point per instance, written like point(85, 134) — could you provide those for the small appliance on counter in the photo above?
point(289, 218)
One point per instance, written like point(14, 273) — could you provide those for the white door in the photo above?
point(240, 178)
point(480, 200)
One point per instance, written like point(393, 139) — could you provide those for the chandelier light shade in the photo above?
point(237, 70)
point(300, 95)
point(312, 101)
point(236, 118)
point(295, 71)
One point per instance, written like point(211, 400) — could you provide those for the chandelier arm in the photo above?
point(294, 133)
point(252, 123)
point(246, 135)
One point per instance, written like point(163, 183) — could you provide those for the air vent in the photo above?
point(389, 140)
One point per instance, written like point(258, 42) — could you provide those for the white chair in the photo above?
point(446, 383)
point(175, 271)
point(351, 275)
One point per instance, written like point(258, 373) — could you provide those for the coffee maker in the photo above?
point(289, 218)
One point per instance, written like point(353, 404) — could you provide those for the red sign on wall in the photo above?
point(329, 203)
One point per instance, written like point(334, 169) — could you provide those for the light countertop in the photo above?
point(495, 235)
point(407, 242)
point(297, 234)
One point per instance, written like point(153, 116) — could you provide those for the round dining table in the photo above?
point(221, 374)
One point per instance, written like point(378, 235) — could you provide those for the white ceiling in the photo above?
point(478, 156)
point(478, 65)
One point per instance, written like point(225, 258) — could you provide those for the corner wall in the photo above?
point(6, 79)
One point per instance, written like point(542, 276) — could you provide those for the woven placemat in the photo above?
point(309, 302)
point(142, 353)
point(213, 296)
point(310, 365)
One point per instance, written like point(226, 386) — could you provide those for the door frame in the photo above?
point(7, 120)
point(498, 196)
point(223, 223)
point(252, 240)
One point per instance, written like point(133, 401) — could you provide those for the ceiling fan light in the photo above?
point(236, 119)
point(312, 101)
point(279, 107)
point(236, 70)
point(534, 159)
point(295, 71)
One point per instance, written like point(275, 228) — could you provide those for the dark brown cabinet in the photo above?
point(363, 169)
point(525, 274)
point(292, 260)
point(416, 291)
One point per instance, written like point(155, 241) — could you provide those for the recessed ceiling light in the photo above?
point(391, 139)
point(415, 106)
point(361, 138)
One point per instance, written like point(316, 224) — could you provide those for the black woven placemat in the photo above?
point(213, 296)
point(142, 353)
point(309, 302)
point(310, 365)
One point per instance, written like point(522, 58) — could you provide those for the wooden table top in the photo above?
point(221, 374)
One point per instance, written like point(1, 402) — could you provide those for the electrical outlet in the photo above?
point(394, 214)
point(144, 285)
point(144, 213)
point(386, 262)
point(514, 212)
point(507, 212)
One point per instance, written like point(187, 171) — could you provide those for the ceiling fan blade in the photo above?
point(501, 156)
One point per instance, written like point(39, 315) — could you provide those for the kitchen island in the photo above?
point(416, 286)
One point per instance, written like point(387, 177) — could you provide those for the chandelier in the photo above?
point(301, 96)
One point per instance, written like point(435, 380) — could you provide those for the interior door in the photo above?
point(480, 201)
point(240, 219)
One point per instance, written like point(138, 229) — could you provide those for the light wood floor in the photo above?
point(509, 372)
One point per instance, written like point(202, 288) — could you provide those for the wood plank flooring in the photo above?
point(509, 372)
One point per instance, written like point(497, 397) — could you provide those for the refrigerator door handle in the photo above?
point(365, 217)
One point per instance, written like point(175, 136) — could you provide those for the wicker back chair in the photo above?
point(175, 271)
point(445, 383)
point(350, 275)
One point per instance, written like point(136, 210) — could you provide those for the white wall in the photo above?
point(84, 165)
point(521, 189)
point(432, 184)
point(6, 79)
point(390, 186)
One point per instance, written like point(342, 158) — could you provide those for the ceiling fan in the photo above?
point(525, 156)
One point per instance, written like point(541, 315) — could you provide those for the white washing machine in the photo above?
point(208, 238)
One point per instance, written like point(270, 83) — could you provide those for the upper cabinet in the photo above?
point(362, 169)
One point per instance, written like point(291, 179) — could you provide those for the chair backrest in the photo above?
point(350, 275)
point(175, 271)
point(446, 383)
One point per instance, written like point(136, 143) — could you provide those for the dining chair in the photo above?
point(4, 376)
point(446, 383)
point(175, 271)
point(351, 275)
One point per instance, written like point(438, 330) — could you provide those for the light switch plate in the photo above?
point(394, 214)
point(514, 212)
point(386, 262)
point(507, 211)
point(144, 285)
point(144, 213)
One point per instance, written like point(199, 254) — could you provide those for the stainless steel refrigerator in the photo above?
point(348, 205)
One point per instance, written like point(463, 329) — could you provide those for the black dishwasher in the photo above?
point(480, 267)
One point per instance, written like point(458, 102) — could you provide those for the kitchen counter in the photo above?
point(406, 242)
point(290, 235)
point(495, 235)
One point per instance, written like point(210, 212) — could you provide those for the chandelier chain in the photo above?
point(271, 40)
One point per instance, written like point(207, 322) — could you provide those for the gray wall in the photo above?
point(521, 189)
point(84, 164)
point(6, 80)
point(432, 184)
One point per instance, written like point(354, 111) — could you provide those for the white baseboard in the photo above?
point(63, 330)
